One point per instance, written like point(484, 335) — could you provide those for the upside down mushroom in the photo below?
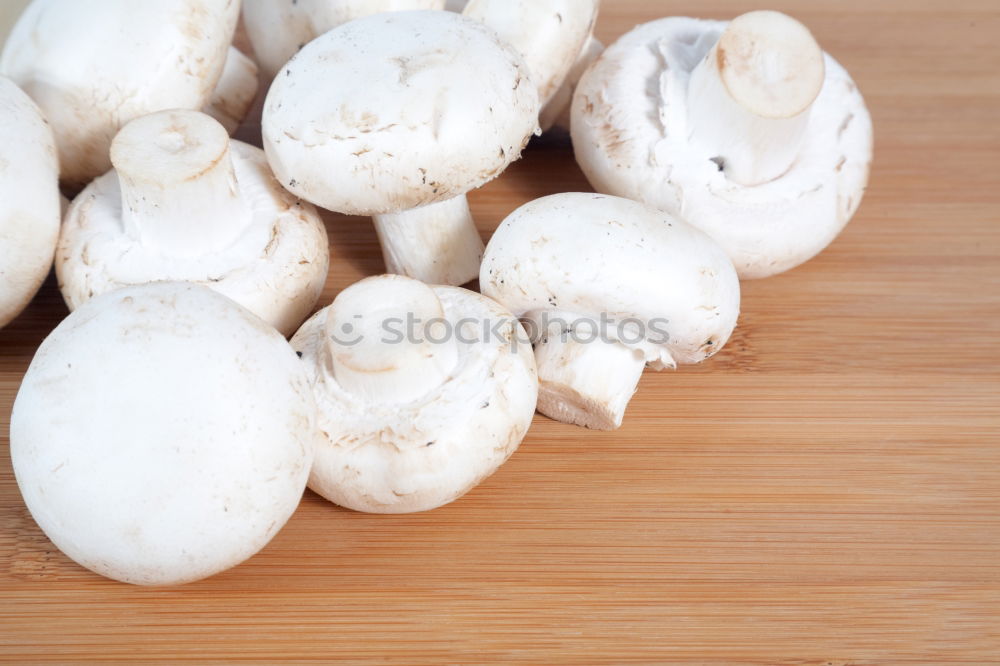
point(162, 434)
point(452, 107)
point(608, 286)
point(185, 203)
point(745, 129)
point(422, 391)
point(29, 200)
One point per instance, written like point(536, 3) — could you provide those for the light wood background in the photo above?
point(826, 491)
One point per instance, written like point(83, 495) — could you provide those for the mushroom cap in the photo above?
point(236, 91)
point(557, 112)
point(277, 269)
point(591, 255)
point(279, 28)
point(549, 34)
point(94, 66)
point(393, 458)
point(162, 434)
point(630, 137)
point(452, 109)
point(29, 200)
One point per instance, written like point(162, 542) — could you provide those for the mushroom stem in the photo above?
point(586, 383)
point(436, 244)
point(178, 184)
point(749, 99)
point(387, 340)
point(235, 92)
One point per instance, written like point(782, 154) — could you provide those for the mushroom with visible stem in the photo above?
point(423, 392)
point(608, 286)
point(236, 91)
point(94, 66)
point(29, 200)
point(549, 34)
point(186, 203)
point(452, 109)
point(751, 133)
point(162, 434)
point(278, 28)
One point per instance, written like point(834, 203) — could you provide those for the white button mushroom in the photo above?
point(279, 28)
point(423, 392)
point(549, 34)
point(185, 203)
point(94, 66)
point(556, 113)
point(398, 116)
point(29, 200)
point(608, 286)
point(236, 91)
point(748, 131)
point(162, 434)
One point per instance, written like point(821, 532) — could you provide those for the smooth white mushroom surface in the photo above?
point(423, 392)
point(29, 200)
point(279, 28)
point(746, 129)
point(94, 66)
point(185, 203)
point(162, 434)
point(608, 286)
point(549, 34)
point(398, 116)
point(236, 91)
point(556, 114)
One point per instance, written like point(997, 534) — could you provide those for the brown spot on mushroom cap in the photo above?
point(721, 58)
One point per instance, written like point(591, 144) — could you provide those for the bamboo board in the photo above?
point(826, 491)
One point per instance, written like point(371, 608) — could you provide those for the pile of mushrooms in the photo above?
point(168, 428)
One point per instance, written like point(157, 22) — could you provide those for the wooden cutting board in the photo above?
point(825, 491)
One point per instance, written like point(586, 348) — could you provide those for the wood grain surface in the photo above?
point(826, 491)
